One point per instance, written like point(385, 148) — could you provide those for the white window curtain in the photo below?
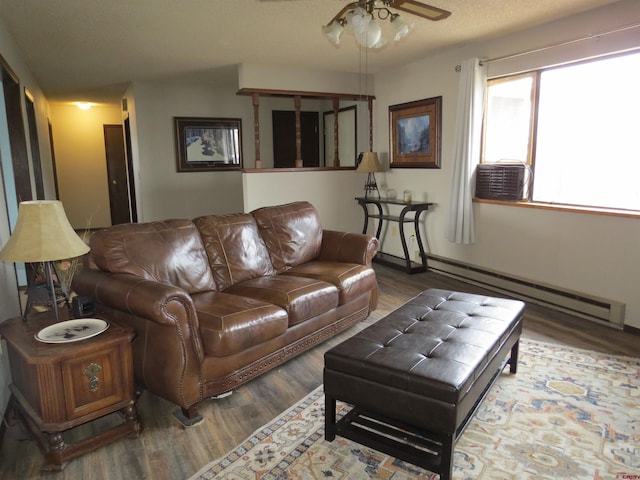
point(466, 150)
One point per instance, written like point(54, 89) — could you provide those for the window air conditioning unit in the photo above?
point(501, 181)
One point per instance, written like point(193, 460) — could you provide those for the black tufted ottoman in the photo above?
point(416, 377)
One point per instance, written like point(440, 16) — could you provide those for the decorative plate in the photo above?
point(72, 330)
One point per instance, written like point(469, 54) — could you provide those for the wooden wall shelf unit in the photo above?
point(404, 263)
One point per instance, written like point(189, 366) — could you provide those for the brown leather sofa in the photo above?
point(221, 299)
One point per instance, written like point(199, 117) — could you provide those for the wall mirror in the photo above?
point(347, 136)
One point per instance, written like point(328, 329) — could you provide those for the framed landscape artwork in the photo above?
point(208, 144)
point(414, 134)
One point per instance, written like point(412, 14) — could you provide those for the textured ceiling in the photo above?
point(91, 49)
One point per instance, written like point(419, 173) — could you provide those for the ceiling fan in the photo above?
point(360, 19)
point(410, 6)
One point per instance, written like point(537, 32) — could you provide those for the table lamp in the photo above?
point(43, 235)
point(370, 164)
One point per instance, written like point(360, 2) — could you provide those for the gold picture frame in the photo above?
point(414, 134)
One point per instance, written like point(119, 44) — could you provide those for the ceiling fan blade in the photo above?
point(420, 9)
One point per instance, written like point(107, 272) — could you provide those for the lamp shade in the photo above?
point(333, 32)
point(369, 35)
point(401, 27)
point(370, 163)
point(43, 233)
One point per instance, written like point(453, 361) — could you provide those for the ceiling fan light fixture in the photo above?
point(359, 17)
point(333, 31)
point(401, 27)
point(370, 35)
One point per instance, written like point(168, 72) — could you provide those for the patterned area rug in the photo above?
point(567, 414)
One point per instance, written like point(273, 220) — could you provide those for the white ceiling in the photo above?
point(91, 49)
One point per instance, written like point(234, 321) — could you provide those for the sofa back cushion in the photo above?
point(170, 252)
point(235, 248)
point(291, 232)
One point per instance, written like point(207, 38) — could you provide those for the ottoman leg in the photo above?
point(446, 466)
point(329, 418)
point(513, 361)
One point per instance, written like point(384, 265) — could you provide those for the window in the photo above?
point(576, 126)
point(509, 119)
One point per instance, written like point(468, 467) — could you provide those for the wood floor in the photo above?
point(166, 450)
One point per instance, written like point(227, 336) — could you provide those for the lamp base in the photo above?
point(371, 185)
point(47, 293)
point(38, 295)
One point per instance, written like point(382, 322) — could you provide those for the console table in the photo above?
point(404, 263)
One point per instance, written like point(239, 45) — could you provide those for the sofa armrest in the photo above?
point(157, 302)
point(348, 247)
point(168, 352)
point(131, 294)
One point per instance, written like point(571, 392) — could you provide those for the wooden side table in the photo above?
point(64, 385)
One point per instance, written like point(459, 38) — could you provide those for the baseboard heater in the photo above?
point(601, 310)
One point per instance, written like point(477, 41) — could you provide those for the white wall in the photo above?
point(162, 192)
point(81, 163)
point(331, 192)
point(279, 77)
point(589, 253)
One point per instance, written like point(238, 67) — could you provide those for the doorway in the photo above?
point(117, 174)
point(14, 159)
point(284, 139)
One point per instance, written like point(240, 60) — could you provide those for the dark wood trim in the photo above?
point(297, 103)
point(256, 127)
point(263, 92)
point(17, 135)
point(302, 170)
point(336, 130)
point(631, 330)
point(8, 69)
point(53, 159)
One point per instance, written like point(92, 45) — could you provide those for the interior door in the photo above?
point(17, 137)
point(117, 174)
point(284, 138)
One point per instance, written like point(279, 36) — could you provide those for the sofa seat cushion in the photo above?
point(351, 279)
point(302, 298)
point(231, 323)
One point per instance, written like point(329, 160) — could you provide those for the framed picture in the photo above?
point(414, 134)
point(208, 144)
